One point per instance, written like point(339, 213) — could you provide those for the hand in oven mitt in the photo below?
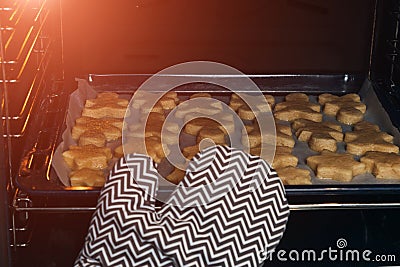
point(229, 210)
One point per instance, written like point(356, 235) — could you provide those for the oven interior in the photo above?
point(287, 45)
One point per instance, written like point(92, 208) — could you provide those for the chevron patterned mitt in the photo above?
point(229, 210)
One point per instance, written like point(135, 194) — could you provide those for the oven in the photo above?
point(313, 47)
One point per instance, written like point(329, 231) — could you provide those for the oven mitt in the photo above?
point(229, 210)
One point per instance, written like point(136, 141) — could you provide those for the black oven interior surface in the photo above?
point(37, 178)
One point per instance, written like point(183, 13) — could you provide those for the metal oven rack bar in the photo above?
point(31, 65)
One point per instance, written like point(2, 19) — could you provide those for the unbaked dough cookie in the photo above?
point(341, 167)
point(382, 165)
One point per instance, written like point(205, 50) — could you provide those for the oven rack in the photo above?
point(29, 41)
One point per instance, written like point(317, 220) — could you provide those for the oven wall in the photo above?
point(274, 36)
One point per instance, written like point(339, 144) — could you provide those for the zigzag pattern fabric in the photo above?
point(229, 210)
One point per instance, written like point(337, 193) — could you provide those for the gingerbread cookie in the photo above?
point(294, 176)
point(382, 165)
point(320, 136)
point(362, 141)
point(348, 109)
point(341, 167)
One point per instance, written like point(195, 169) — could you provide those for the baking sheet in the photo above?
point(375, 114)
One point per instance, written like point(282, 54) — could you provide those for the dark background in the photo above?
point(269, 36)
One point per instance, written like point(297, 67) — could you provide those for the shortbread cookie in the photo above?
point(214, 134)
point(341, 167)
point(366, 126)
point(236, 102)
point(87, 177)
point(284, 158)
point(270, 100)
point(246, 113)
point(345, 109)
point(157, 108)
point(89, 156)
point(298, 97)
point(107, 105)
point(324, 98)
point(294, 176)
point(104, 126)
point(196, 95)
point(320, 136)
point(190, 151)
point(360, 142)
point(167, 103)
point(293, 110)
point(92, 137)
point(155, 149)
point(194, 126)
point(382, 165)
point(284, 136)
point(176, 176)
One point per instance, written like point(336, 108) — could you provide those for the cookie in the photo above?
point(106, 127)
point(236, 102)
point(293, 110)
point(294, 176)
point(246, 113)
point(324, 98)
point(167, 103)
point(298, 97)
point(87, 177)
point(366, 126)
point(190, 151)
point(196, 95)
point(347, 109)
point(176, 176)
point(320, 136)
point(89, 156)
point(194, 126)
point(107, 105)
point(215, 134)
point(284, 158)
point(92, 137)
point(360, 142)
point(284, 136)
point(382, 165)
point(340, 167)
point(270, 100)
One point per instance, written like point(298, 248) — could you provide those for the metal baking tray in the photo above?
point(37, 179)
